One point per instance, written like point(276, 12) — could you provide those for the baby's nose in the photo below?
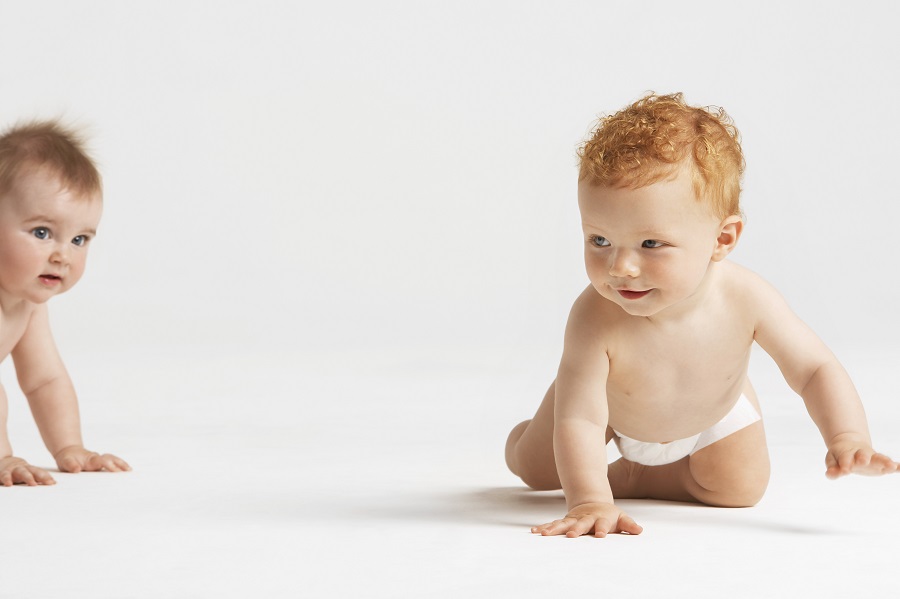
point(59, 256)
point(624, 264)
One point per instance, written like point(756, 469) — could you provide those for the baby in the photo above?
point(657, 347)
point(50, 205)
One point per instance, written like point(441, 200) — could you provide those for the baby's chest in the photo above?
point(666, 392)
point(701, 361)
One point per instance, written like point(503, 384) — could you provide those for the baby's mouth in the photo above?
point(632, 295)
point(50, 278)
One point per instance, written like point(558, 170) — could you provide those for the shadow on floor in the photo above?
point(523, 508)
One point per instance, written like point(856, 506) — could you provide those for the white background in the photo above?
point(339, 245)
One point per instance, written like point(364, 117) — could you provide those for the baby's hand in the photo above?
point(848, 455)
point(76, 459)
point(601, 518)
point(16, 471)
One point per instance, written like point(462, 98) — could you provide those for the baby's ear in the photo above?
point(729, 232)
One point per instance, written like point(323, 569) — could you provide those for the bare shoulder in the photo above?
point(741, 277)
point(584, 366)
point(746, 288)
point(592, 320)
point(757, 299)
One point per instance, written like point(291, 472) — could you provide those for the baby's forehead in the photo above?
point(45, 180)
point(647, 209)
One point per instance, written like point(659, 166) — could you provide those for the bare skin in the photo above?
point(657, 347)
point(45, 231)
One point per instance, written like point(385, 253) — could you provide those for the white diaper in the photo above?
point(742, 415)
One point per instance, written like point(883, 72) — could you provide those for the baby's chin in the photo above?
point(634, 310)
point(44, 298)
point(645, 306)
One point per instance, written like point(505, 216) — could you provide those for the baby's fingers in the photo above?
point(6, 478)
point(602, 527)
point(539, 529)
point(69, 464)
point(23, 475)
point(26, 475)
point(840, 464)
point(625, 524)
point(863, 458)
point(862, 461)
point(121, 464)
point(628, 525)
point(877, 465)
point(582, 526)
point(556, 527)
point(848, 459)
point(41, 476)
point(107, 462)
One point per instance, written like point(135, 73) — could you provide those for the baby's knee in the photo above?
point(537, 469)
point(540, 481)
point(729, 482)
point(511, 442)
point(745, 490)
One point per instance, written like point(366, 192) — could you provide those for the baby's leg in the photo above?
point(732, 472)
point(529, 449)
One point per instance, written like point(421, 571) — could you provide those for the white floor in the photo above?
point(351, 475)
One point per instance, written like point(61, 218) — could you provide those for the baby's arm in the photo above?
point(579, 439)
point(51, 396)
point(812, 370)
point(15, 470)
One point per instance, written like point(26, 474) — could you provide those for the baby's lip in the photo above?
point(632, 294)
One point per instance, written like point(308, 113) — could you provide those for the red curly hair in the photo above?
point(647, 142)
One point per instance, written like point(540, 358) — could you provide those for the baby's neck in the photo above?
point(690, 307)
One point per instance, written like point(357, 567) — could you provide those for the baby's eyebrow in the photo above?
point(40, 219)
point(643, 233)
point(49, 221)
point(591, 226)
point(651, 233)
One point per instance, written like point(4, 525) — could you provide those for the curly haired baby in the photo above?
point(657, 346)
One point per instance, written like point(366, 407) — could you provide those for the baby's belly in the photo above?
point(662, 418)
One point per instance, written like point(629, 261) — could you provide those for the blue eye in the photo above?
point(41, 232)
point(651, 243)
point(600, 242)
point(80, 240)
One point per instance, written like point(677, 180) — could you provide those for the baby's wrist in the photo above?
point(849, 437)
point(67, 448)
point(576, 502)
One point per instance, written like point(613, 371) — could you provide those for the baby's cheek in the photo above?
point(595, 273)
point(75, 273)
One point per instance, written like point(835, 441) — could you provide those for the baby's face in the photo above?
point(647, 249)
point(45, 232)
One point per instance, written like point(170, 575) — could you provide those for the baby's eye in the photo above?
point(652, 243)
point(600, 242)
point(80, 240)
point(41, 232)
